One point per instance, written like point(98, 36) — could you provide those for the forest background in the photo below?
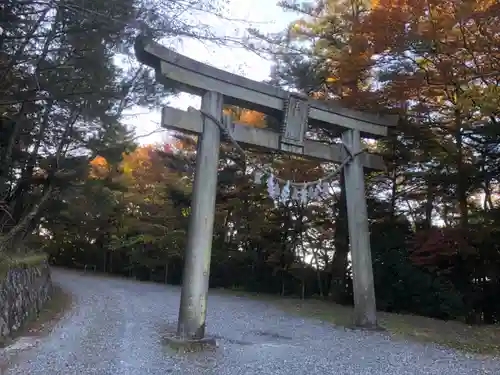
point(76, 183)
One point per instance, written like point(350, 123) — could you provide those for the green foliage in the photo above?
point(66, 78)
point(401, 284)
point(29, 260)
point(431, 213)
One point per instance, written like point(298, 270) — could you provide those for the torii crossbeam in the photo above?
point(217, 88)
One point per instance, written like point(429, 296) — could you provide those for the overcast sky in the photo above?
point(268, 17)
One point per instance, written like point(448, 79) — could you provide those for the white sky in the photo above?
point(268, 18)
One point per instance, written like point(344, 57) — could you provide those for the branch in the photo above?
point(8, 239)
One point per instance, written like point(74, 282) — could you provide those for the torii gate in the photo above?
point(217, 87)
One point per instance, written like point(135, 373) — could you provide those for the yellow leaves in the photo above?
point(491, 100)
point(296, 27)
point(482, 5)
point(392, 4)
point(127, 169)
point(448, 33)
point(299, 27)
point(423, 63)
point(147, 238)
point(185, 212)
point(332, 79)
point(485, 98)
point(138, 161)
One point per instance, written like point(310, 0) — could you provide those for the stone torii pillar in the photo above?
point(217, 87)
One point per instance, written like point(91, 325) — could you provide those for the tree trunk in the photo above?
point(429, 203)
point(394, 185)
point(7, 241)
point(105, 260)
point(341, 239)
point(318, 274)
point(282, 283)
point(488, 201)
point(462, 179)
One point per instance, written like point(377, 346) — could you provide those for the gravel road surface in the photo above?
point(116, 325)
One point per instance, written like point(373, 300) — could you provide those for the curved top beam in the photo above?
point(195, 77)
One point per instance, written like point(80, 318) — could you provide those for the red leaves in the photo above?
point(167, 148)
point(437, 248)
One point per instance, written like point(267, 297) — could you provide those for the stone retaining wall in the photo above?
point(23, 291)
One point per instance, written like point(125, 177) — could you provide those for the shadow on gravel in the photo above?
point(272, 335)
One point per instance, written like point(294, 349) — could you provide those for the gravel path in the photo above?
point(115, 328)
